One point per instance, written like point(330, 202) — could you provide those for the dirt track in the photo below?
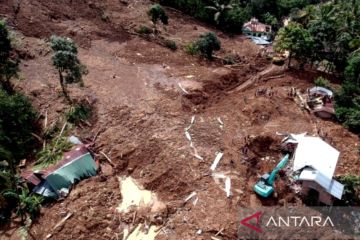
point(142, 114)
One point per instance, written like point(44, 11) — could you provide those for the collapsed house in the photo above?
point(314, 163)
point(259, 32)
point(55, 181)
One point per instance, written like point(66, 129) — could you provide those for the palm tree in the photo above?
point(219, 9)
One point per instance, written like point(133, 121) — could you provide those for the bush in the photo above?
point(27, 203)
point(17, 123)
point(144, 30)
point(207, 44)
point(79, 112)
point(351, 189)
point(191, 49)
point(156, 13)
point(322, 82)
point(171, 44)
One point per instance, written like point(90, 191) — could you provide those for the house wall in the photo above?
point(324, 196)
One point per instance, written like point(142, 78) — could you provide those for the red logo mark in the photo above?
point(257, 216)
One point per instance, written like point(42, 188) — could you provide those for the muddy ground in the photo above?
point(141, 114)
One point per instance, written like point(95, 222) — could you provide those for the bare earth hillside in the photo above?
point(142, 114)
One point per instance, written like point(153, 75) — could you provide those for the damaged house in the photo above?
point(56, 180)
point(260, 31)
point(314, 164)
point(321, 102)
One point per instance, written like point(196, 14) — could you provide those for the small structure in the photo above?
point(55, 181)
point(320, 91)
point(257, 29)
point(320, 99)
point(314, 162)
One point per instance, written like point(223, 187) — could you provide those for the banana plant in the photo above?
point(220, 9)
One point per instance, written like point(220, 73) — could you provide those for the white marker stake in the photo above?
point(227, 186)
point(187, 134)
point(216, 161)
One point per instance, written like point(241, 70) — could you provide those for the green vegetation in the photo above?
point(219, 9)
point(78, 113)
point(191, 49)
point(351, 190)
point(171, 44)
point(53, 152)
point(295, 39)
point(205, 45)
point(229, 15)
point(329, 33)
point(17, 123)
point(322, 82)
point(67, 63)
point(8, 63)
point(156, 13)
point(28, 204)
point(348, 98)
point(144, 30)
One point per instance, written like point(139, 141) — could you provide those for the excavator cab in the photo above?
point(264, 187)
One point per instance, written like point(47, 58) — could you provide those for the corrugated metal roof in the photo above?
point(330, 185)
point(316, 153)
point(75, 153)
point(321, 90)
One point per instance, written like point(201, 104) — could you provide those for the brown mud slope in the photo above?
point(142, 114)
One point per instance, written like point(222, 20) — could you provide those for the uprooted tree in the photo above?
point(66, 61)
point(8, 60)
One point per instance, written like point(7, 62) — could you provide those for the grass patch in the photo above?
point(53, 152)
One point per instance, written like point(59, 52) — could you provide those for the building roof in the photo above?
point(259, 41)
point(316, 153)
point(330, 185)
point(255, 26)
point(321, 90)
point(73, 154)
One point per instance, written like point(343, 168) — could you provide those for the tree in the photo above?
point(17, 123)
point(207, 44)
point(270, 19)
point(348, 98)
point(156, 13)
point(220, 9)
point(295, 39)
point(67, 63)
point(8, 62)
point(233, 19)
